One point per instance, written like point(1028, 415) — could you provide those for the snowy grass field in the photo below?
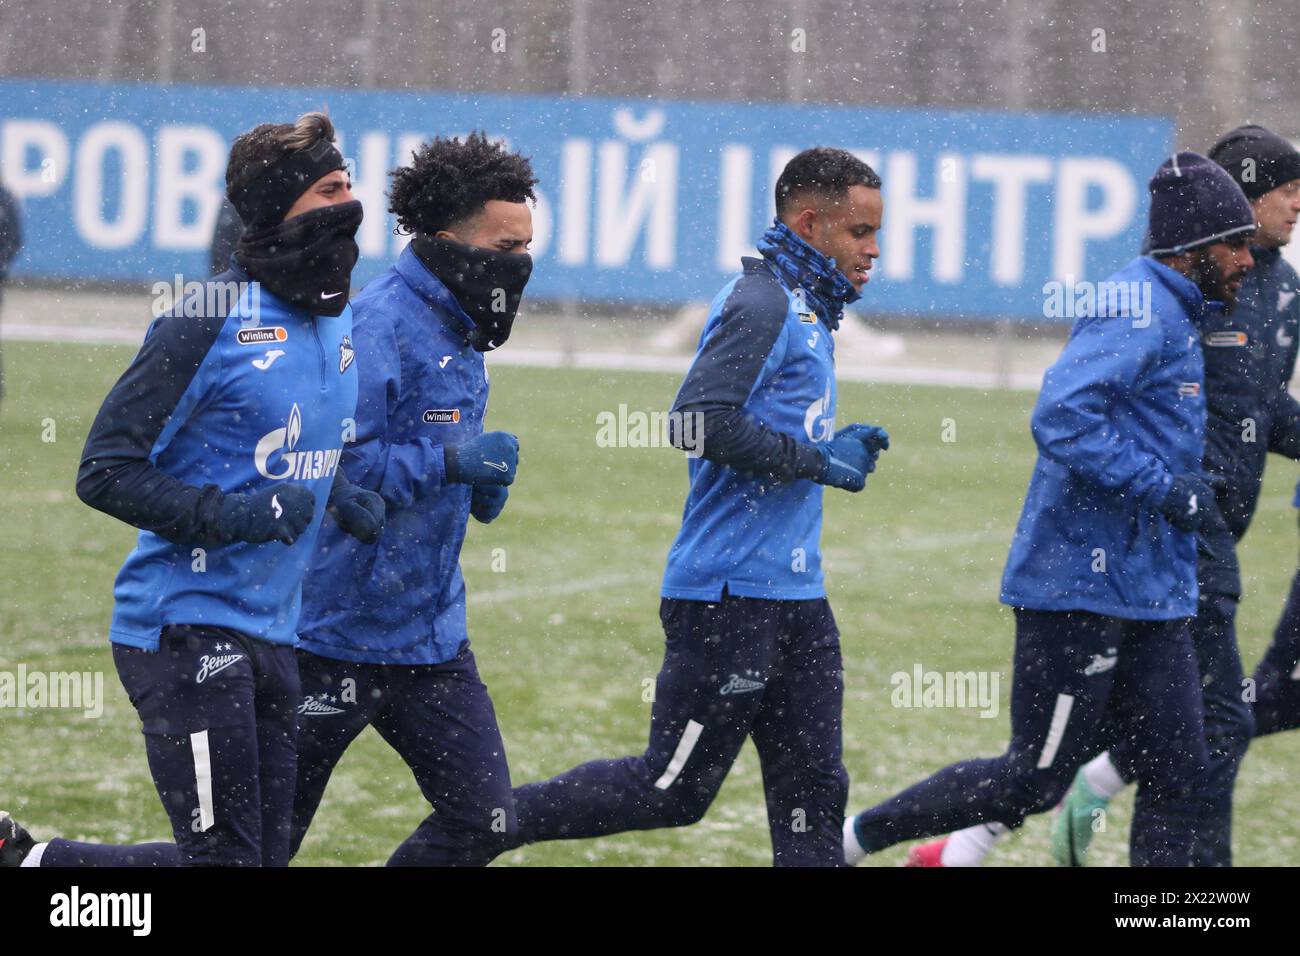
point(567, 635)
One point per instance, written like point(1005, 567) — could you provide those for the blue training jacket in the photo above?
point(763, 382)
point(402, 599)
point(1120, 414)
point(230, 393)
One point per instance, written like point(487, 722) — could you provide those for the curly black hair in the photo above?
point(448, 181)
point(825, 171)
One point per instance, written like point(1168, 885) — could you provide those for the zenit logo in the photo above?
point(319, 705)
point(307, 463)
point(741, 685)
point(261, 335)
point(442, 416)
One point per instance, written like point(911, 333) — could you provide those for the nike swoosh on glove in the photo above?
point(488, 459)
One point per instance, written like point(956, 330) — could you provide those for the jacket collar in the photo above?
point(429, 287)
point(236, 273)
point(1263, 256)
point(800, 266)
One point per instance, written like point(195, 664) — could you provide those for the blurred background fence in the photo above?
point(1014, 137)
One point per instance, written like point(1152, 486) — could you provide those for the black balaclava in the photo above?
point(306, 260)
point(487, 283)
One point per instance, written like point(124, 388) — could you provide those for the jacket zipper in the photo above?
point(320, 347)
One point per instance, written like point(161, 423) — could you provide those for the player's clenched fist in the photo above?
point(273, 514)
point(486, 502)
point(851, 455)
point(358, 512)
point(489, 459)
point(1187, 501)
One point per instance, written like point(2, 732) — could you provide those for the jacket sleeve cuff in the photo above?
point(810, 461)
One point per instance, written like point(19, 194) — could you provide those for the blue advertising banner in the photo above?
point(640, 201)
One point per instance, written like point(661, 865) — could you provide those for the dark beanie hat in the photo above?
point(1258, 159)
point(1194, 202)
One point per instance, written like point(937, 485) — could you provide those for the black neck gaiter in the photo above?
point(488, 284)
point(307, 260)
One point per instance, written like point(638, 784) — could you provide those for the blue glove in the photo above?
point(357, 511)
point(486, 502)
point(873, 436)
point(280, 513)
point(489, 459)
point(1187, 501)
point(847, 462)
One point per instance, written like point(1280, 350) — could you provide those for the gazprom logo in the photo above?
point(816, 423)
point(282, 443)
point(293, 431)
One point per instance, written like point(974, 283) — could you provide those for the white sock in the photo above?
point(969, 847)
point(853, 852)
point(33, 858)
point(1102, 778)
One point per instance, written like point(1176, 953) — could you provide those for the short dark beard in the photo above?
point(1205, 272)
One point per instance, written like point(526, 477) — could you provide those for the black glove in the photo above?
point(486, 502)
point(1186, 502)
point(1218, 484)
point(280, 513)
point(357, 511)
point(489, 459)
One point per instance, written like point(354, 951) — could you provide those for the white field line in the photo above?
point(585, 359)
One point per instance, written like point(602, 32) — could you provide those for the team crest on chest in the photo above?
point(346, 354)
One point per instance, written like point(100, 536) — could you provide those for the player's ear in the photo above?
point(803, 224)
